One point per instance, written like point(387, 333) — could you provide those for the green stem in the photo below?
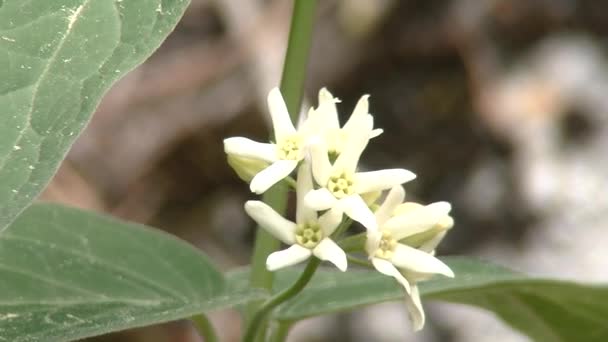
point(291, 182)
point(280, 331)
point(292, 88)
point(276, 197)
point(346, 222)
point(204, 328)
point(296, 57)
point(257, 322)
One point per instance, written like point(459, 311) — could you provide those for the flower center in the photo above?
point(341, 185)
point(309, 234)
point(289, 149)
point(387, 245)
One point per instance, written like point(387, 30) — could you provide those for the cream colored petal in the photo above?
point(321, 166)
point(407, 207)
point(271, 221)
point(370, 122)
point(415, 309)
point(287, 257)
point(414, 260)
point(251, 149)
point(417, 221)
point(304, 184)
point(357, 138)
point(355, 208)
point(381, 180)
point(328, 250)
point(281, 122)
point(330, 221)
point(376, 132)
point(360, 111)
point(327, 109)
point(392, 200)
point(272, 175)
point(308, 126)
point(320, 199)
point(385, 267)
point(372, 242)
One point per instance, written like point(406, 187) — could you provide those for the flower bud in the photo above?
point(429, 237)
point(246, 168)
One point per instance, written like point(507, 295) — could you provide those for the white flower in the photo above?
point(408, 264)
point(283, 156)
point(323, 120)
point(341, 185)
point(309, 235)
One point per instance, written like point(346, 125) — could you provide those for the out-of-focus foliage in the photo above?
point(546, 310)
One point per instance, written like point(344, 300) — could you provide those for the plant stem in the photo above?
point(276, 197)
point(292, 88)
point(280, 332)
point(257, 322)
point(346, 222)
point(296, 57)
point(204, 328)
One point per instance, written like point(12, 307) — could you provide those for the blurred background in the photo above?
point(499, 107)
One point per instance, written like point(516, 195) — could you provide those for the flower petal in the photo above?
point(360, 111)
point(372, 242)
point(385, 267)
point(304, 184)
point(272, 175)
point(321, 166)
point(358, 136)
point(287, 257)
point(381, 180)
point(330, 221)
point(376, 132)
point(271, 221)
point(418, 220)
point(327, 109)
point(320, 199)
point(392, 200)
point(355, 208)
point(414, 309)
point(329, 251)
point(309, 126)
point(251, 149)
point(415, 260)
point(281, 122)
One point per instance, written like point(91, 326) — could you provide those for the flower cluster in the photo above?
point(400, 237)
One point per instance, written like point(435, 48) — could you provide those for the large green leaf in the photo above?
point(67, 274)
point(57, 58)
point(546, 310)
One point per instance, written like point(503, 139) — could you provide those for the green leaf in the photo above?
point(57, 58)
point(546, 310)
point(68, 274)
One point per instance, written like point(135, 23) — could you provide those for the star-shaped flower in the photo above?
point(391, 253)
point(309, 235)
point(341, 186)
point(283, 156)
point(325, 123)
